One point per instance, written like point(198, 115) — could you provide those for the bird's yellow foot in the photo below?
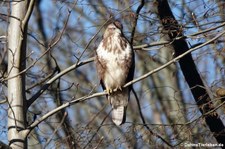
point(109, 91)
point(118, 88)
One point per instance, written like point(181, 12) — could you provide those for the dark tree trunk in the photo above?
point(190, 72)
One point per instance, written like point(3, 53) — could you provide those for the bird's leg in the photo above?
point(118, 88)
point(108, 91)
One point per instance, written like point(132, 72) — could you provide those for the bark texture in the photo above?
point(16, 83)
point(190, 72)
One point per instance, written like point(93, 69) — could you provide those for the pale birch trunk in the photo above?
point(16, 83)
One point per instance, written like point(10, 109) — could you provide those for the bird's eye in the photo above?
point(113, 28)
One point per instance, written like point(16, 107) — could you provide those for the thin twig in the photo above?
point(42, 81)
point(54, 132)
point(74, 101)
point(135, 21)
point(144, 123)
point(96, 131)
point(3, 101)
point(173, 60)
point(14, 116)
point(100, 141)
point(48, 83)
point(93, 37)
point(28, 14)
point(43, 54)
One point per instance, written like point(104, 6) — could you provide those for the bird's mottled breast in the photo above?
point(115, 53)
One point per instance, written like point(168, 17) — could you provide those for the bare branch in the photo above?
point(144, 123)
point(74, 101)
point(47, 84)
point(28, 14)
point(50, 138)
point(58, 38)
point(173, 60)
point(135, 21)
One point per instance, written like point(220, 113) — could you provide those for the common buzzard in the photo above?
point(115, 67)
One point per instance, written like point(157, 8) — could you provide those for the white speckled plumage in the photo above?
point(114, 75)
point(114, 59)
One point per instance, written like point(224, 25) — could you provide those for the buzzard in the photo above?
point(115, 67)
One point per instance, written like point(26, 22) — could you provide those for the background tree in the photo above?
point(51, 96)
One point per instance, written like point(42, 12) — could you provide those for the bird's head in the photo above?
point(114, 28)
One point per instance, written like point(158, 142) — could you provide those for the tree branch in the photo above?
point(74, 101)
point(174, 60)
point(60, 124)
point(48, 83)
point(144, 123)
point(135, 21)
point(190, 72)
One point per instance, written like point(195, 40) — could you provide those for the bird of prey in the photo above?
point(115, 67)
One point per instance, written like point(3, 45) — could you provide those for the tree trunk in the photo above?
point(190, 72)
point(16, 83)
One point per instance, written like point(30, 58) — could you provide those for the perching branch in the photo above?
point(74, 101)
point(76, 65)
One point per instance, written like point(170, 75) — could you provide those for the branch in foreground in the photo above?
point(77, 64)
point(190, 72)
point(74, 101)
point(48, 83)
point(31, 100)
point(144, 123)
point(56, 129)
point(173, 60)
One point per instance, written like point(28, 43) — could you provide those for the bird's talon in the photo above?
point(118, 88)
point(109, 91)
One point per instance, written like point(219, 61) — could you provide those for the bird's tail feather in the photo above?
point(119, 101)
point(119, 115)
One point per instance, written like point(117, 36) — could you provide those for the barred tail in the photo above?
point(119, 101)
point(119, 115)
